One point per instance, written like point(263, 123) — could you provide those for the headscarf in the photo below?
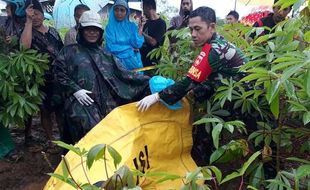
point(118, 29)
point(36, 5)
point(119, 33)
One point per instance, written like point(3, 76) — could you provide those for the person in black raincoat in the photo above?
point(93, 82)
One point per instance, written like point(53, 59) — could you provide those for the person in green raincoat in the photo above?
point(93, 82)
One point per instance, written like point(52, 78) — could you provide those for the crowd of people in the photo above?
point(86, 79)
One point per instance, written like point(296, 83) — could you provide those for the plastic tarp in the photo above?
point(158, 140)
point(64, 10)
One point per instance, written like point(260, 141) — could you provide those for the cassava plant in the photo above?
point(21, 75)
point(272, 99)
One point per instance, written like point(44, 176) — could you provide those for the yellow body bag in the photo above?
point(158, 140)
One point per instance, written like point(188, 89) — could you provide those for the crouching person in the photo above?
point(92, 81)
point(217, 57)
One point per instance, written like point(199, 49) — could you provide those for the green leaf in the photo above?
point(283, 65)
point(307, 35)
point(193, 175)
point(207, 120)
point(293, 70)
point(27, 109)
point(13, 110)
point(169, 177)
point(275, 106)
point(216, 134)
point(258, 139)
point(253, 135)
point(117, 158)
point(296, 106)
point(258, 176)
point(216, 154)
point(271, 45)
point(261, 39)
point(76, 150)
point(251, 187)
point(21, 101)
point(134, 188)
point(289, 47)
point(307, 81)
point(306, 118)
point(223, 113)
point(259, 70)
point(267, 140)
point(279, 184)
point(273, 90)
point(229, 127)
point(217, 172)
point(66, 180)
point(249, 161)
point(290, 89)
point(303, 171)
point(89, 187)
point(298, 160)
point(65, 170)
point(252, 77)
point(230, 177)
point(95, 153)
point(270, 57)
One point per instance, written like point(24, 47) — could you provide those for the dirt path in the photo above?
point(29, 172)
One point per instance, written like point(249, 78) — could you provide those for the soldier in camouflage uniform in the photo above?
point(92, 81)
point(217, 57)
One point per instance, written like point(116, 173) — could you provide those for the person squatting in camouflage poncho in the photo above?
point(93, 82)
point(217, 57)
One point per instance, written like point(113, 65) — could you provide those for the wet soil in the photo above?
point(28, 169)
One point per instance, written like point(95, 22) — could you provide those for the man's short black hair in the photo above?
point(149, 3)
point(234, 14)
point(206, 13)
point(81, 6)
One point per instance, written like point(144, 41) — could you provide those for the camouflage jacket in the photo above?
point(224, 59)
point(77, 67)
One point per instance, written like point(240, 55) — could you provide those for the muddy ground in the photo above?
point(37, 159)
point(29, 172)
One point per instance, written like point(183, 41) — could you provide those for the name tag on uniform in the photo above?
point(201, 67)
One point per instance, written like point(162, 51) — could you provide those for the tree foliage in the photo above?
point(21, 75)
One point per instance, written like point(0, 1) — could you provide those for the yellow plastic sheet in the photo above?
point(158, 140)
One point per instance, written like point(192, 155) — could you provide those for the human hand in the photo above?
point(83, 98)
point(8, 39)
point(147, 102)
point(141, 24)
point(185, 21)
point(29, 12)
